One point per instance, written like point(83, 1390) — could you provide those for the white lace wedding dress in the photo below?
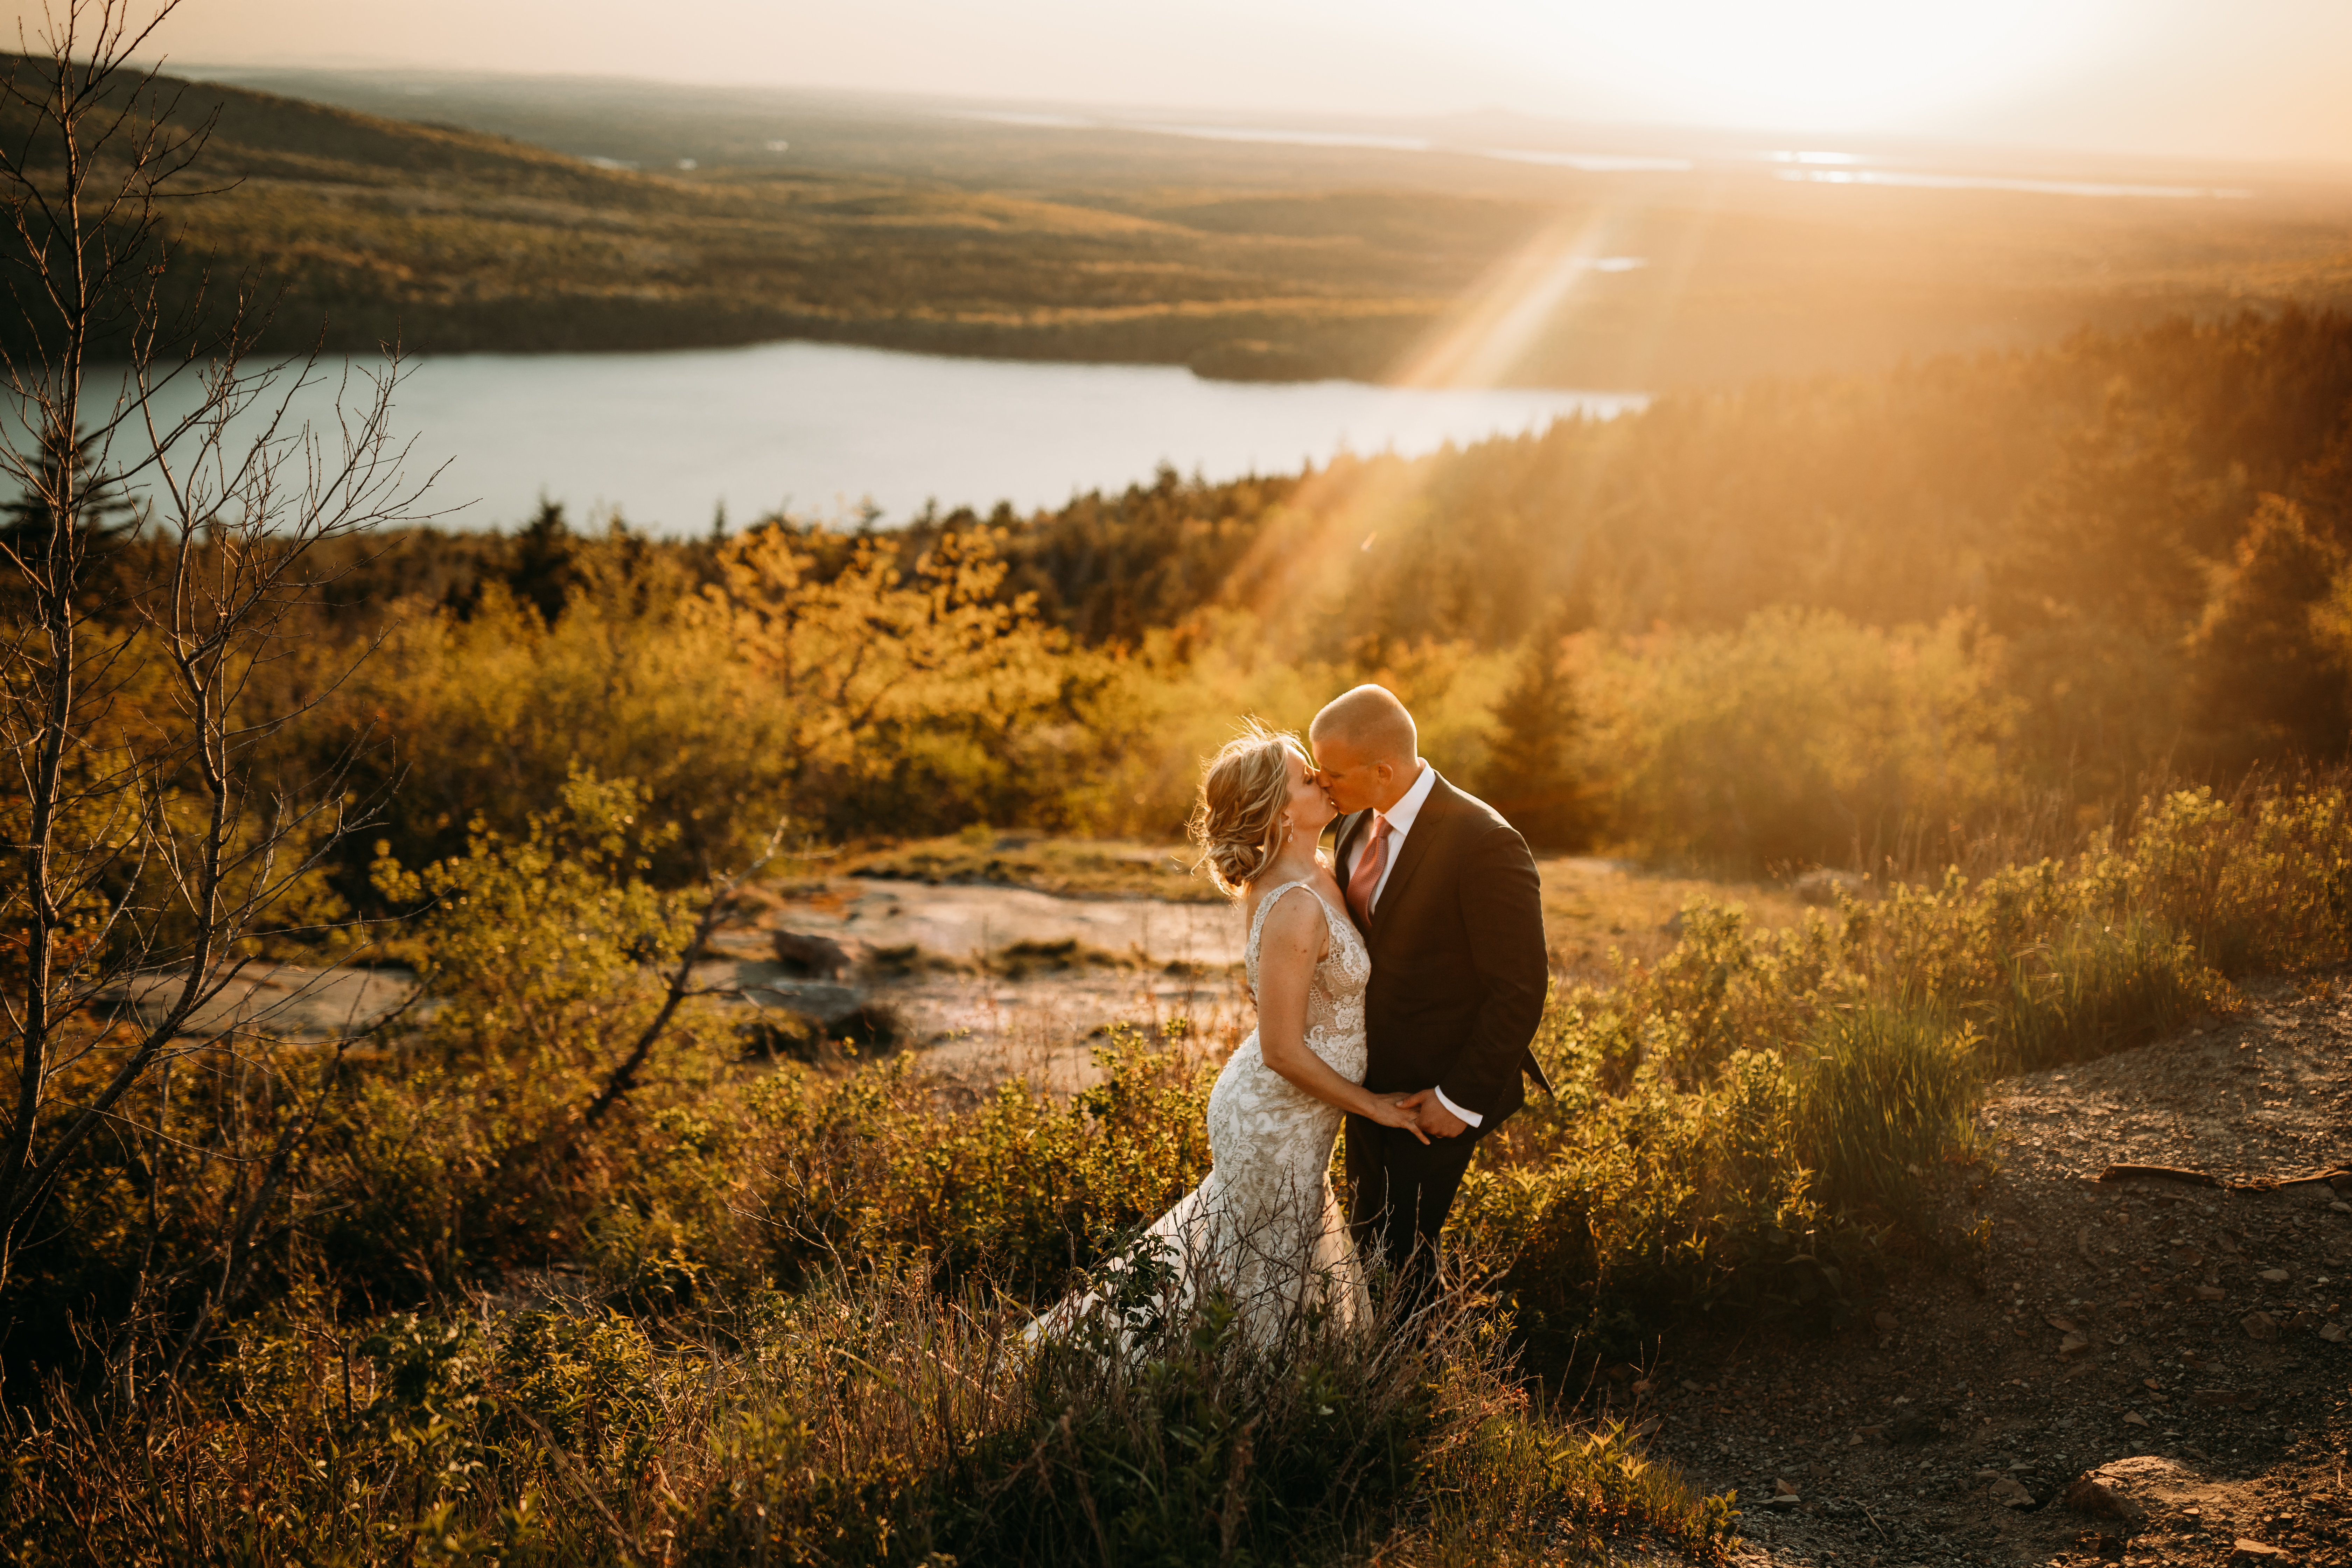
point(1265, 1227)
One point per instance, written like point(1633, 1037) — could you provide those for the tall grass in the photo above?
point(1882, 1096)
point(866, 1419)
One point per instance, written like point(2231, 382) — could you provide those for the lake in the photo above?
point(668, 437)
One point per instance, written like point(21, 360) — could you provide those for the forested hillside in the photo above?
point(1817, 621)
point(903, 226)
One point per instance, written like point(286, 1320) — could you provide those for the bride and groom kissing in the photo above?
point(1397, 985)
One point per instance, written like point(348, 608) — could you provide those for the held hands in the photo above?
point(1396, 1111)
point(1431, 1115)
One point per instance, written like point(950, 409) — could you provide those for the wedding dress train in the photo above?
point(1265, 1228)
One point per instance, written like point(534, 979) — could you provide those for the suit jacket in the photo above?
point(1458, 965)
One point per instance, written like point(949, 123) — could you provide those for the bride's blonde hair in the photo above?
point(1237, 821)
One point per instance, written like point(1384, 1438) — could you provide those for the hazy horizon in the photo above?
point(2257, 82)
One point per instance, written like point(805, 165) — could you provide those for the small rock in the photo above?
point(2093, 1496)
point(1887, 1322)
point(818, 957)
point(1783, 1486)
point(2134, 1417)
point(2339, 1208)
point(2008, 1494)
point(2211, 1293)
point(2063, 1325)
point(1824, 887)
point(2247, 1550)
point(1913, 1427)
point(2276, 1276)
point(2074, 1344)
point(2259, 1326)
point(2332, 1332)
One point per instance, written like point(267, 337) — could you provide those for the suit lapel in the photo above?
point(1416, 850)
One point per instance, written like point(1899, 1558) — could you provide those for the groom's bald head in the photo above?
point(1367, 721)
point(1365, 748)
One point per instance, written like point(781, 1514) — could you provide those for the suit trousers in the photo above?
point(1399, 1192)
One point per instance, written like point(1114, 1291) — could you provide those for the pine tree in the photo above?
point(82, 558)
point(1529, 776)
point(102, 515)
point(2264, 680)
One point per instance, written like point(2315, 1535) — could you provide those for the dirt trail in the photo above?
point(965, 968)
point(2184, 1347)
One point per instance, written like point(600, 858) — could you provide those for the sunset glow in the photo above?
point(1826, 60)
point(2163, 76)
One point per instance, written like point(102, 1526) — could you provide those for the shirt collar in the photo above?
point(1400, 816)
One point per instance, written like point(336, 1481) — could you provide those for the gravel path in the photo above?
point(2139, 1370)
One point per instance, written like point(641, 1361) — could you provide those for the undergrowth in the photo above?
point(769, 1311)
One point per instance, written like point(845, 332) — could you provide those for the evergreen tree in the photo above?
point(2265, 682)
point(1529, 775)
point(100, 519)
point(100, 514)
point(544, 568)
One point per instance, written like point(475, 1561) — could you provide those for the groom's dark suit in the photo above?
point(1457, 989)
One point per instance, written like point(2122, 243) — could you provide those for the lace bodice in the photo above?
point(1335, 993)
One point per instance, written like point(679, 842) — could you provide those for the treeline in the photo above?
point(1824, 621)
point(2160, 512)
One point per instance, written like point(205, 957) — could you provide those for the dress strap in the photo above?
point(1257, 923)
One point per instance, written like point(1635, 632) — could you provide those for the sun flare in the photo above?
point(1827, 58)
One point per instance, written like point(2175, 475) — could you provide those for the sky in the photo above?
point(2238, 79)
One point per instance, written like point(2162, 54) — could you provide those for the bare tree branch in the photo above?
point(145, 846)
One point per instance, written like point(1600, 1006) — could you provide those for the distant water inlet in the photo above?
point(667, 438)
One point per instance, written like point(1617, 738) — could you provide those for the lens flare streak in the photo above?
point(1490, 335)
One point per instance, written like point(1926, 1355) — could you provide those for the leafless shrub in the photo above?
point(163, 555)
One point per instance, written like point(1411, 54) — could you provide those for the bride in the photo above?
point(1265, 1228)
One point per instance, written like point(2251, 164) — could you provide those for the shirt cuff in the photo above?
point(1472, 1116)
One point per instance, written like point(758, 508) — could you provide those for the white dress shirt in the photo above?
point(1399, 819)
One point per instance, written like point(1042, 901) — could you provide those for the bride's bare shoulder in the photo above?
point(1296, 922)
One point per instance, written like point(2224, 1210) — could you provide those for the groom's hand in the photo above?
point(1434, 1118)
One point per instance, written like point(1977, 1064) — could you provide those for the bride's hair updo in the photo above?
point(1237, 822)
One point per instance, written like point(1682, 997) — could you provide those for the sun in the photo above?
point(1826, 59)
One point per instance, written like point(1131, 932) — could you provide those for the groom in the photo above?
point(1447, 896)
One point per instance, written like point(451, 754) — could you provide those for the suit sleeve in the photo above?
point(1502, 911)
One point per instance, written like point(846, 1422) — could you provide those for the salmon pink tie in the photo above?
point(1367, 875)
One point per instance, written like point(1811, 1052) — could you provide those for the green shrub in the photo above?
point(1882, 1098)
point(2098, 988)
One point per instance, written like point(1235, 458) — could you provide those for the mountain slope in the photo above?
point(901, 226)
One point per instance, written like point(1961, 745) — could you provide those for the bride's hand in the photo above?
point(1391, 1110)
